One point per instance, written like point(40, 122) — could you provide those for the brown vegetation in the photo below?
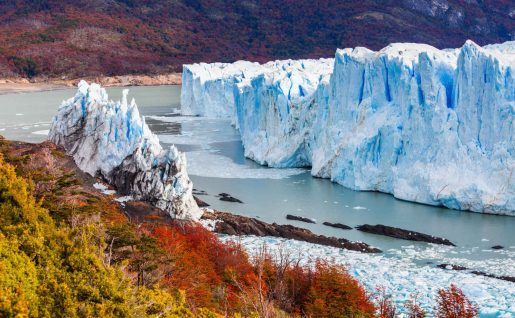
point(70, 38)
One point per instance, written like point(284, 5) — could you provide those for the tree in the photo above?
point(452, 303)
point(413, 308)
point(334, 293)
point(385, 306)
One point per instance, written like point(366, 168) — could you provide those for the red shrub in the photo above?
point(385, 306)
point(203, 266)
point(220, 276)
point(452, 303)
point(334, 293)
point(413, 308)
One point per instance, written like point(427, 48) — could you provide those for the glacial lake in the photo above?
point(216, 164)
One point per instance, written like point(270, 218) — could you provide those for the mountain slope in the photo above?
point(84, 38)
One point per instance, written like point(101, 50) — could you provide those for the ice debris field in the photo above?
point(426, 125)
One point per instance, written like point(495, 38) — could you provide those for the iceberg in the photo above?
point(426, 125)
point(111, 140)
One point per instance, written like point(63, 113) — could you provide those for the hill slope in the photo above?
point(111, 37)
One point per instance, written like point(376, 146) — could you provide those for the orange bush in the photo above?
point(334, 293)
point(221, 276)
point(452, 303)
point(203, 266)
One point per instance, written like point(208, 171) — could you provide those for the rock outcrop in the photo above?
point(231, 224)
point(403, 234)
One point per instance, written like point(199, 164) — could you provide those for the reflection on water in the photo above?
point(213, 149)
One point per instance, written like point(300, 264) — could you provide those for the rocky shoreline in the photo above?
point(231, 224)
point(23, 85)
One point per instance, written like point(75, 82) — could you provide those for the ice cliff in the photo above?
point(426, 125)
point(112, 141)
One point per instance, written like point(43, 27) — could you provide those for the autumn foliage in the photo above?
point(385, 306)
point(334, 293)
point(222, 276)
point(203, 266)
point(452, 303)
point(72, 38)
point(413, 308)
point(67, 252)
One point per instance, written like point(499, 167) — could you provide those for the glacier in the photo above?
point(111, 140)
point(426, 125)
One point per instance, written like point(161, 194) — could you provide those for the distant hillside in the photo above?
point(72, 38)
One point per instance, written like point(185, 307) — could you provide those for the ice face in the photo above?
point(426, 125)
point(213, 84)
point(111, 140)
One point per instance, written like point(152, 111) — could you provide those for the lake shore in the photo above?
point(23, 85)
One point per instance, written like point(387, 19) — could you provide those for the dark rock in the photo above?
point(228, 198)
point(451, 267)
point(200, 203)
point(497, 247)
point(338, 225)
point(395, 232)
point(299, 218)
point(480, 273)
point(240, 225)
point(199, 192)
point(506, 278)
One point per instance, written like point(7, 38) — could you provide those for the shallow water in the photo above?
point(216, 164)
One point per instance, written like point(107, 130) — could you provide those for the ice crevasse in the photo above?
point(111, 140)
point(426, 125)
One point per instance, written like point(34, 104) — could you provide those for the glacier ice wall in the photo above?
point(111, 140)
point(426, 125)
point(215, 89)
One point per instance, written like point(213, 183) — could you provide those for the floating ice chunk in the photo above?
point(42, 132)
point(209, 224)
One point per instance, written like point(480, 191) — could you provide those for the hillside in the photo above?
point(70, 38)
point(68, 250)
